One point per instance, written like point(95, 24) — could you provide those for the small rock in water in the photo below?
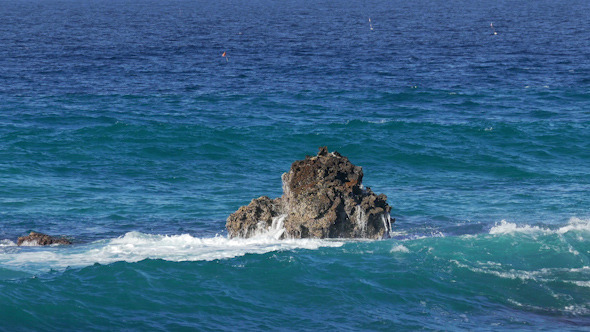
point(41, 239)
point(323, 197)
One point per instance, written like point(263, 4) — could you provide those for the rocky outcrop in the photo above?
point(256, 216)
point(323, 197)
point(40, 239)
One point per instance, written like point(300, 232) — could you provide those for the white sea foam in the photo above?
point(572, 250)
point(578, 310)
point(6, 243)
point(34, 244)
point(504, 227)
point(574, 224)
point(543, 275)
point(432, 234)
point(135, 246)
point(581, 283)
point(506, 274)
point(400, 248)
point(398, 234)
point(274, 231)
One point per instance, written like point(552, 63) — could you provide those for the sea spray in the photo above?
point(136, 246)
point(574, 224)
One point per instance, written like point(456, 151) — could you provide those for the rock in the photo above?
point(323, 197)
point(256, 216)
point(41, 239)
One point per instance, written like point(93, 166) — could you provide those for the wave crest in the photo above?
point(7, 243)
point(574, 224)
point(136, 246)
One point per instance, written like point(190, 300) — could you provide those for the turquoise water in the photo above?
point(123, 128)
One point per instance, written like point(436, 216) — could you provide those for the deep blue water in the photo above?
point(124, 128)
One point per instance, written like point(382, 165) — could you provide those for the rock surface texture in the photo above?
point(40, 239)
point(323, 197)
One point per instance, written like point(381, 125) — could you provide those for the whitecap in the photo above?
point(580, 310)
point(505, 227)
point(136, 246)
point(581, 283)
point(7, 243)
point(574, 224)
point(400, 248)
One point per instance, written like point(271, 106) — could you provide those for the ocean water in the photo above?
point(123, 128)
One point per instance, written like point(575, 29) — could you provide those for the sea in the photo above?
point(135, 128)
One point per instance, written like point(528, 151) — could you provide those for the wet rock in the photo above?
point(249, 219)
point(323, 197)
point(40, 239)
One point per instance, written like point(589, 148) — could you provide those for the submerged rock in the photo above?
point(41, 239)
point(323, 197)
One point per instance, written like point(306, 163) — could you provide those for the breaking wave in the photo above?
point(136, 246)
point(574, 224)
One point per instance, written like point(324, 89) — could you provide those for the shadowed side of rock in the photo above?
point(323, 197)
point(41, 239)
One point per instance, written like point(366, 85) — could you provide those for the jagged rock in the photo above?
point(257, 215)
point(323, 197)
point(41, 239)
